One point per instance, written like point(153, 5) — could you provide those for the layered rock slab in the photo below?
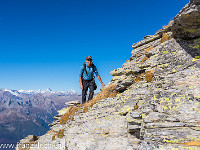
point(159, 104)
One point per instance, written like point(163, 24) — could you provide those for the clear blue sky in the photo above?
point(43, 43)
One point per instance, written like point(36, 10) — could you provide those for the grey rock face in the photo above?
point(26, 141)
point(196, 2)
point(72, 103)
point(187, 22)
point(135, 114)
point(154, 117)
point(159, 104)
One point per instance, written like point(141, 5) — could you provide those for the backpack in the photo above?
point(92, 65)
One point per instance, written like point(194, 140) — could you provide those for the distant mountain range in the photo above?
point(47, 91)
point(29, 112)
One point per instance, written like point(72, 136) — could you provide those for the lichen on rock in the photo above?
point(152, 101)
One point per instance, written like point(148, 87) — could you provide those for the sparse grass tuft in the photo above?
point(71, 111)
point(148, 49)
point(144, 59)
point(109, 91)
point(60, 133)
point(193, 143)
point(54, 137)
point(138, 79)
point(165, 37)
point(149, 76)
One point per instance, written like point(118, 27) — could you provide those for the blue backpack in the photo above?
point(92, 65)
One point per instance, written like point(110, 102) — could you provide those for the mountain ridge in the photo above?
point(29, 112)
point(152, 101)
point(48, 90)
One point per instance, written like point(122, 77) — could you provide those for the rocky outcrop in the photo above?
point(140, 66)
point(157, 105)
point(26, 143)
point(72, 103)
point(187, 22)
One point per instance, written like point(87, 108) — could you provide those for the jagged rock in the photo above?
point(61, 112)
point(146, 41)
point(27, 142)
point(172, 119)
point(148, 146)
point(118, 78)
point(57, 117)
point(164, 125)
point(29, 138)
point(141, 49)
point(162, 79)
point(154, 117)
point(122, 85)
point(135, 114)
point(117, 72)
point(187, 22)
point(54, 123)
point(72, 103)
point(133, 128)
point(125, 110)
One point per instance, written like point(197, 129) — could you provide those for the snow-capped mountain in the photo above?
point(22, 110)
point(14, 92)
point(46, 91)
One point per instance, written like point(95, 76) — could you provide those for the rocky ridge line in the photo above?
point(158, 105)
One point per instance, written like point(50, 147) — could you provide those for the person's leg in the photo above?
point(91, 87)
point(84, 91)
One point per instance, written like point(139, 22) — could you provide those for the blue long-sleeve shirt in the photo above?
point(90, 72)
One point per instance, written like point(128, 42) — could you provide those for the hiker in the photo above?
point(86, 78)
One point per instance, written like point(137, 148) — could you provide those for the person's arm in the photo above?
point(102, 84)
point(98, 76)
point(81, 83)
point(80, 77)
